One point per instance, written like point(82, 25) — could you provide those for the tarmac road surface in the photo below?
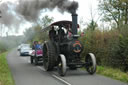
point(26, 74)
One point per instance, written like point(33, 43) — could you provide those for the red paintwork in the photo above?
point(38, 52)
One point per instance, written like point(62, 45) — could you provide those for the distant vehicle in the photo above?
point(25, 50)
point(22, 45)
point(36, 56)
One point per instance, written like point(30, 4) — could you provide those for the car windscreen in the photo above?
point(26, 48)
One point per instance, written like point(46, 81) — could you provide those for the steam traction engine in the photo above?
point(63, 50)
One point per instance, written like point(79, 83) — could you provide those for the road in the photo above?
point(26, 74)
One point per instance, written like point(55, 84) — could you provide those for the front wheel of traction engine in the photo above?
point(90, 61)
point(49, 56)
point(62, 65)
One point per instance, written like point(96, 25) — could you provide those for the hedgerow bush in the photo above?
point(3, 47)
point(110, 47)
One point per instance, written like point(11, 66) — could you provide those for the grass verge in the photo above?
point(113, 73)
point(5, 74)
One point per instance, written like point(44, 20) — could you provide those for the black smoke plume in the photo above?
point(14, 14)
point(30, 9)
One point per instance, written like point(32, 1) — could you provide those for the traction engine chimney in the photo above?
point(74, 23)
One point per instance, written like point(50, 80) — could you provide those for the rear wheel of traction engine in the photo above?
point(31, 59)
point(91, 63)
point(62, 65)
point(49, 56)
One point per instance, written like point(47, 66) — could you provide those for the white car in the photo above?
point(30, 52)
point(22, 45)
point(25, 51)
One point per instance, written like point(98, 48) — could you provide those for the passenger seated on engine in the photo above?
point(34, 45)
point(69, 32)
point(52, 34)
point(61, 34)
point(38, 46)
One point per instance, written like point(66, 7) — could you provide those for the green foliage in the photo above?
point(115, 41)
point(110, 47)
point(114, 10)
point(5, 74)
point(46, 20)
point(123, 49)
point(35, 33)
point(113, 73)
point(3, 47)
point(29, 34)
point(9, 42)
point(92, 25)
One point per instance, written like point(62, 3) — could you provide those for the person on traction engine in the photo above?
point(52, 34)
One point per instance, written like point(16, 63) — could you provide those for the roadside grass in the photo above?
point(5, 74)
point(112, 73)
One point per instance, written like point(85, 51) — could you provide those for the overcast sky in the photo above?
point(84, 11)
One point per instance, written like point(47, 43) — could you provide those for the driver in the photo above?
point(61, 33)
point(34, 44)
point(52, 34)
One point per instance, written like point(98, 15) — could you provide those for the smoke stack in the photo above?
point(74, 23)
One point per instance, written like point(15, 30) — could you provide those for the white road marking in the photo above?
point(61, 79)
